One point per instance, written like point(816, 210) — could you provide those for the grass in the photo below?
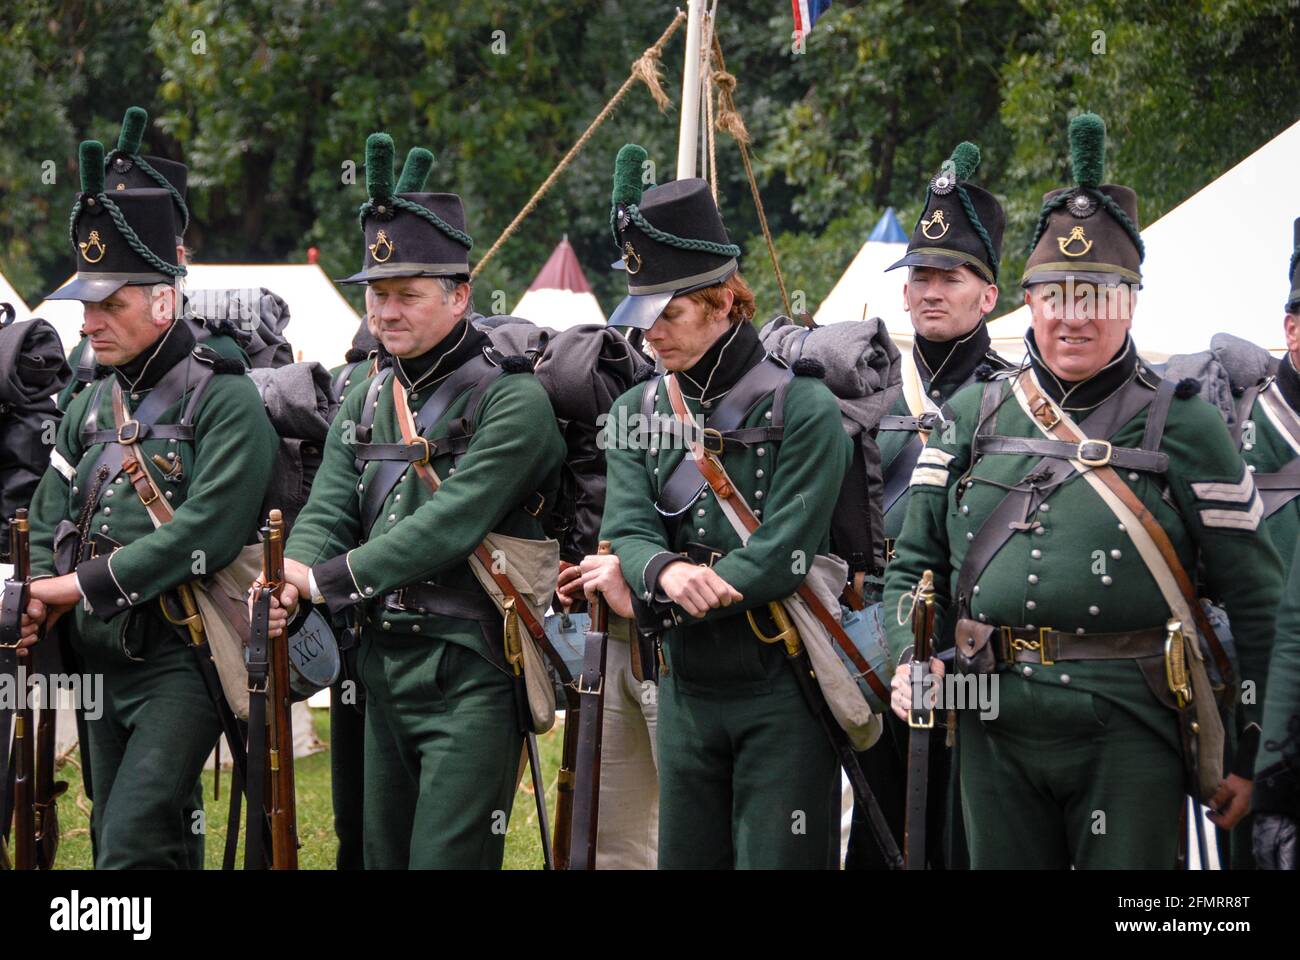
point(315, 811)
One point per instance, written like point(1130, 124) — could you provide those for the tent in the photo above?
point(865, 289)
point(321, 322)
point(560, 297)
point(10, 296)
point(1216, 262)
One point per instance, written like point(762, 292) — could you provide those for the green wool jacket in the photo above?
point(223, 345)
point(792, 484)
point(419, 536)
point(1080, 570)
point(1268, 453)
point(1277, 765)
point(224, 473)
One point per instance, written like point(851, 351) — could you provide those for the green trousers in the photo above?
point(147, 751)
point(442, 748)
point(1062, 778)
point(747, 776)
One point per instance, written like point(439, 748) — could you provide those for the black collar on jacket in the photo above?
point(463, 342)
point(1083, 395)
point(1288, 381)
point(953, 360)
point(728, 359)
point(144, 370)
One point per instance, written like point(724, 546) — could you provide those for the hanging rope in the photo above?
point(646, 70)
point(710, 127)
point(729, 119)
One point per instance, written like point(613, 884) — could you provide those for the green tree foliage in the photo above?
point(270, 102)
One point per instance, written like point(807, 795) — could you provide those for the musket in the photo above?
point(282, 806)
point(920, 719)
point(23, 837)
point(589, 685)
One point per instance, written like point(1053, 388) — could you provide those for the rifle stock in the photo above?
point(921, 721)
point(282, 807)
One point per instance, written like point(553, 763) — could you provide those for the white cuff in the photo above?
point(316, 596)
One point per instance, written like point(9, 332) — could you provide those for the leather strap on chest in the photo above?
point(475, 375)
point(770, 377)
point(1282, 486)
point(1045, 476)
point(169, 391)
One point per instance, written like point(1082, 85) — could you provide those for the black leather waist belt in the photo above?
point(429, 598)
point(703, 554)
point(1046, 646)
point(97, 545)
point(926, 422)
point(1091, 453)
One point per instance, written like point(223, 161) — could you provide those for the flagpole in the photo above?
point(689, 130)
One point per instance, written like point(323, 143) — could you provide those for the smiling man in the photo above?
point(952, 261)
point(114, 543)
point(375, 544)
point(1051, 514)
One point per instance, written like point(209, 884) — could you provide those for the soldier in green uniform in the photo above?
point(952, 259)
point(199, 427)
point(126, 169)
point(1274, 455)
point(747, 777)
point(442, 737)
point(1061, 592)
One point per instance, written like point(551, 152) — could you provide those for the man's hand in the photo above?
point(900, 697)
point(283, 608)
point(48, 599)
point(696, 589)
point(602, 574)
point(568, 587)
point(1230, 802)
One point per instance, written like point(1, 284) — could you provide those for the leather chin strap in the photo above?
point(742, 518)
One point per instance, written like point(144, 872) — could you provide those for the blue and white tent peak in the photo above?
point(888, 229)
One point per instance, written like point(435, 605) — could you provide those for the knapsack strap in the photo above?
point(373, 496)
point(142, 425)
point(744, 522)
point(1053, 422)
point(1043, 478)
point(769, 377)
point(1090, 452)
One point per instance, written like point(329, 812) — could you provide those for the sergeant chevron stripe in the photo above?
point(1236, 519)
point(1240, 492)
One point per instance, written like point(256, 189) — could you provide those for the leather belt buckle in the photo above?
point(1006, 640)
point(424, 460)
point(129, 433)
point(1043, 657)
point(712, 442)
point(540, 500)
point(1042, 409)
point(1094, 453)
point(928, 421)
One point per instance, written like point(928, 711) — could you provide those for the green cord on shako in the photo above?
point(126, 238)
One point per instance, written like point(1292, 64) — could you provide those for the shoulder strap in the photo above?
point(341, 379)
point(165, 394)
point(767, 378)
point(86, 363)
point(1045, 477)
point(1103, 477)
point(397, 457)
point(1243, 411)
point(744, 522)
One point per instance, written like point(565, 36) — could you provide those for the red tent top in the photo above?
point(562, 271)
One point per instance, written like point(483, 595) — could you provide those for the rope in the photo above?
point(158, 178)
point(424, 213)
point(709, 127)
point(729, 119)
point(975, 222)
point(681, 243)
point(128, 234)
point(644, 69)
point(1053, 204)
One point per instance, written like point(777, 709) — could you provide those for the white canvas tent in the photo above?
point(1216, 262)
point(9, 295)
point(321, 322)
point(865, 289)
point(560, 297)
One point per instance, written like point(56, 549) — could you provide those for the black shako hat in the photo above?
point(961, 224)
point(1087, 232)
point(126, 169)
point(671, 239)
point(128, 237)
point(409, 233)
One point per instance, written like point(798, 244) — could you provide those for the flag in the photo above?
point(806, 13)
